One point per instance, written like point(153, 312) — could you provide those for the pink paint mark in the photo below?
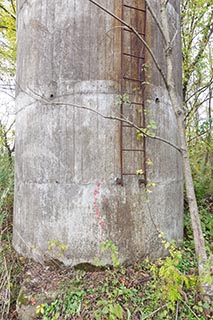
point(96, 192)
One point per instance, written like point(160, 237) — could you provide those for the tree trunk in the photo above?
point(190, 193)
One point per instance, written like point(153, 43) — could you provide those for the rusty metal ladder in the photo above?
point(133, 83)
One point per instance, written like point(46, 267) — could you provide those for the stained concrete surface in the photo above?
point(67, 157)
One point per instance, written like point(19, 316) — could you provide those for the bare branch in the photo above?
point(10, 127)
point(173, 39)
point(115, 118)
point(13, 6)
point(154, 312)
point(207, 33)
point(197, 136)
point(190, 309)
point(8, 12)
point(156, 20)
point(7, 145)
point(196, 106)
point(122, 119)
point(177, 310)
point(200, 90)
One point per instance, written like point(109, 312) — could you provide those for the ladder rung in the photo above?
point(140, 33)
point(137, 103)
point(128, 126)
point(129, 78)
point(140, 150)
point(132, 55)
point(132, 79)
point(134, 8)
point(132, 174)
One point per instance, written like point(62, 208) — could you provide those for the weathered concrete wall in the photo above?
point(69, 51)
point(166, 201)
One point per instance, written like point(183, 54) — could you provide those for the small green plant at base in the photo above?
point(171, 280)
point(111, 311)
point(109, 245)
point(68, 304)
point(135, 292)
point(40, 309)
point(57, 247)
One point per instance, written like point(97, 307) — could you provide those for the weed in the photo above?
point(68, 304)
point(109, 245)
point(57, 248)
point(10, 266)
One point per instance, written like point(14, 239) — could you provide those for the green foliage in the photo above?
point(6, 185)
point(139, 172)
point(57, 248)
point(108, 311)
point(200, 157)
point(110, 246)
point(7, 36)
point(174, 286)
point(10, 266)
point(123, 99)
point(149, 130)
point(107, 299)
point(171, 279)
point(145, 290)
point(197, 78)
point(68, 304)
point(196, 32)
point(205, 211)
point(196, 19)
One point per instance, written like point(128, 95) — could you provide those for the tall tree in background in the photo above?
point(7, 72)
point(7, 37)
point(197, 38)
